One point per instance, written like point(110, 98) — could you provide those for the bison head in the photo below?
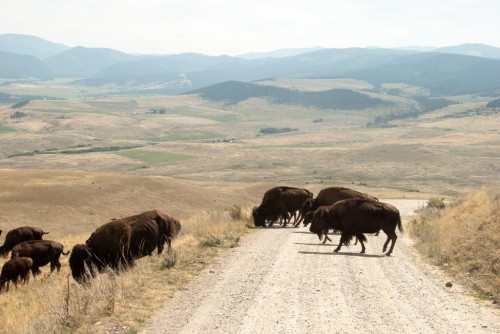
point(258, 219)
point(3, 251)
point(308, 218)
point(81, 255)
point(318, 221)
point(176, 227)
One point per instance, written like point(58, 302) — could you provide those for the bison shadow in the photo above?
point(343, 253)
point(314, 244)
point(307, 232)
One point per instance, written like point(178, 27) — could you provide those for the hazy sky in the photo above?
point(233, 27)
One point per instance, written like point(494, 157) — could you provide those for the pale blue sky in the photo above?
point(233, 27)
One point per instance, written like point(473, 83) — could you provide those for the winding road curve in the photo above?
point(282, 280)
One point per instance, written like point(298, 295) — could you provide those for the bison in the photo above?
point(353, 217)
point(120, 242)
point(18, 235)
point(15, 269)
point(281, 202)
point(41, 252)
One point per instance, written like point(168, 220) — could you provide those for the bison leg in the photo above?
point(391, 235)
point(160, 247)
point(326, 237)
point(288, 218)
point(343, 239)
point(35, 271)
point(300, 218)
point(386, 243)
point(26, 277)
point(360, 238)
point(55, 265)
point(392, 245)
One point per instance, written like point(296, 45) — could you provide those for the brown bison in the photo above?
point(353, 217)
point(18, 235)
point(15, 269)
point(281, 202)
point(120, 242)
point(41, 252)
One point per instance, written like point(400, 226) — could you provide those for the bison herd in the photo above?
point(116, 244)
point(348, 211)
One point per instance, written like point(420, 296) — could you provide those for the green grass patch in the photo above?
point(187, 136)
point(7, 129)
point(155, 157)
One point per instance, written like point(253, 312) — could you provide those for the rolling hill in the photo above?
point(82, 62)
point(442, 74)
point(22, 66)
point(233, 92)
point(476, 50)
point(30, 45)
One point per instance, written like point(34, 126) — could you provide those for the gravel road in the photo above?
point(282, 280)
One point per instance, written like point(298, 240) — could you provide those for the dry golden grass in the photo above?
point(464, 238)
point(119, 302)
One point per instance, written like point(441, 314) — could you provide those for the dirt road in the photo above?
point(282, 280)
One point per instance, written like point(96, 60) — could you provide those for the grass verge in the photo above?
point(120, 303)
point(463, 237)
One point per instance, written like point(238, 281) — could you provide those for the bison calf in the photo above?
point(15, 269)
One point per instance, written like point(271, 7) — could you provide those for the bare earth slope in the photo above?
point(282, 280)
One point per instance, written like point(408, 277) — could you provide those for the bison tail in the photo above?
point(400, 226)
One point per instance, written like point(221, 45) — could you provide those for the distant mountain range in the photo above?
point(463, 69)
